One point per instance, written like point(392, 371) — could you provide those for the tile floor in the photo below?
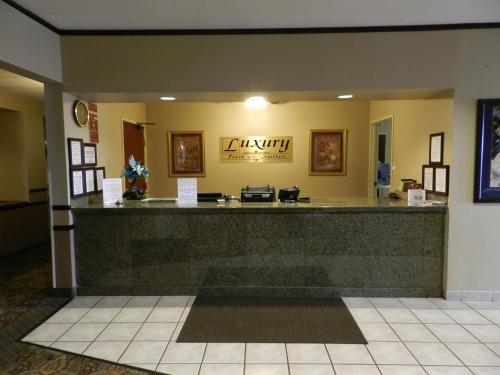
point(406, 336)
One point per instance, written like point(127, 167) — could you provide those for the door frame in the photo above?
point(124, 119)
point(371, 150)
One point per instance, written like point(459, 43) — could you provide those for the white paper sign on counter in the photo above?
point(187, 191)
point(112, 191)
point(416, 196)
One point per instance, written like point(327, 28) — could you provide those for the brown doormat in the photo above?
point(270, 320)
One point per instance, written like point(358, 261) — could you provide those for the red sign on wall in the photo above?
point(93, 125)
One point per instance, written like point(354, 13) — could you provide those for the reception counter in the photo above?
point(322, 248)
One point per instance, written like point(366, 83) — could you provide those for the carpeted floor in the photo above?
point(25, 301)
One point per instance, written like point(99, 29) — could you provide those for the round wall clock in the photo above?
point(81, 112)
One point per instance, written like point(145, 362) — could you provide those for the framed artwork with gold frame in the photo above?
point(327, 152)
point(186, 153)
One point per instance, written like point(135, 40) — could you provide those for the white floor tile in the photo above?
point(451, 333)
point(83, 301)
point(71, 315)
point(485, 333)
point(110, 351)
point(474, 354)
point(311, 369)
point(447, 370)
point(490, 314)
point(224, 353)
point(267, 369)
point(133, 314)
point(119, 332)
point(165, 315)
point(397, 315)
point(143, 301)
point(144, 352)
point(48, 344)
point(47, 332)
point(366, 315)
point(221, 369)
point(173, 301)
point(100, 315)
point(356, 370)
point(179, 369)
point(495, 348)
point(417, 303)
point(378, 332)
point(413, 332)
point(401, 370)
point(433, 354)
point(386, 302)
point(265, 353)
point(466, 316)
point(72, 347)
point(185, 314)
point(113, 301)
point(444, 304)
point(432, 316)
point(344, 354)
point(177, 331)
point(83, 332)
point(391, 353)
point(357, 302)
point(156, 331)
point(485, 370)
point(184, 353)
point(307, 353)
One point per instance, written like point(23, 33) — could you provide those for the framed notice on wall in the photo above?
point(100, 175)
point(428, 178)
point(89, 181)
point(77, 183)
point(90, 154)
point(436, 149)
point(75, 152)
point(441, 179)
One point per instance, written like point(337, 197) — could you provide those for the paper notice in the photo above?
point(436, 149)
point(429, 179)
point(112, 191)
point(76, 153)
point(89, 180)
point(440, 180)
point(77, 182)
point(187, 191)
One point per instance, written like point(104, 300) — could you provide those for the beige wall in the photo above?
point(413, 122)
point(290, 119)
point(32, 112)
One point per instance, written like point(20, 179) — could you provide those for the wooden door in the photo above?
point(133, 144)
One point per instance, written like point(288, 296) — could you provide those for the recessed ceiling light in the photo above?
point(345, 96)
point(256, 102)
point(168, 98)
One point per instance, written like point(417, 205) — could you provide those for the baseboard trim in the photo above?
point(63, 292)
point(472, 295)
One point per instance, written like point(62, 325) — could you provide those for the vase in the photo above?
point(134, 192)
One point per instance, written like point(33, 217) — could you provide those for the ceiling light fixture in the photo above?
point(168, 98)
point(256, 102)
point(345, 96)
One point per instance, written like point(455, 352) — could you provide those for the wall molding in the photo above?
point(472, 295)
point(63, 228)
point(19, 205)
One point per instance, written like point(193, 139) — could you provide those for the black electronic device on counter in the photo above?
point(289, 195)
point(209, 197)
point(263, 193)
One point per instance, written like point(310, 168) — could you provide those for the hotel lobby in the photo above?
point(249, 189)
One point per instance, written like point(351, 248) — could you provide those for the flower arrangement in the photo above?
point(134, 171)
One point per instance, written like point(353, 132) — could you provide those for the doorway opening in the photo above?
point(133, 144)
point(381, 155)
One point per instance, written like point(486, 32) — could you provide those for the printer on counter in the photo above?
point(263, 193)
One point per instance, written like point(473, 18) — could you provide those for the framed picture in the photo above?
point(428, 178)
point(75, 152)
point(436, 149)
point(100, 175)
point(77, 183)
point(90, 154)
point(487, 176)
point(441, 179)
point(327, 152)
point(89, 181)
point(186, 153)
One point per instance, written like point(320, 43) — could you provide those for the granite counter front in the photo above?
point(327, 247)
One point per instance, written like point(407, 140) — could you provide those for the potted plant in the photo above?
point(133, 172)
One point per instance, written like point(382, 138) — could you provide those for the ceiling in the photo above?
point(12, 83)
point(256, 14)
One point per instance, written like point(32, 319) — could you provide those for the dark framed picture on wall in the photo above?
point(100, 175)
point(428, 178)
point(327, 152)
point(75, 152)
point(90, 154)
point(436, 149)
point(186, 153)
point(487, 176)
point(89, 181)
point(441, 179)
